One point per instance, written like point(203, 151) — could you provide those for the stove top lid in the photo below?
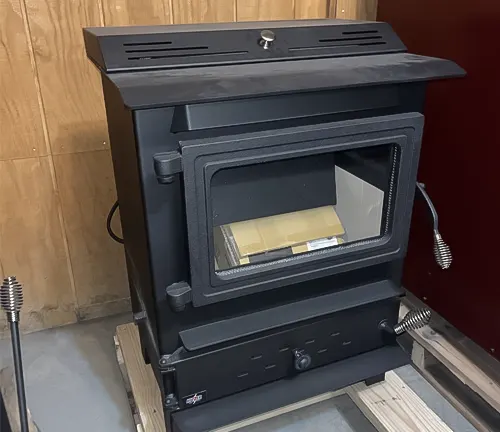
point(120, 49)
point(157, 88)
point(180, 64)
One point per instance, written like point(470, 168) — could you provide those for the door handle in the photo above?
point(442, 252)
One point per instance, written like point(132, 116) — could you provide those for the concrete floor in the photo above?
point(73, 384)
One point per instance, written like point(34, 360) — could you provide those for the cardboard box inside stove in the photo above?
point(275, 237)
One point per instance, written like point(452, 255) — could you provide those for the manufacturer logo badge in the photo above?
point(195, 398)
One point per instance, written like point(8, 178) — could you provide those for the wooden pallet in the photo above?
point(391, 406)
point(463, 373)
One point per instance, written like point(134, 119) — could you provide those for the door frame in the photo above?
point(202, 158)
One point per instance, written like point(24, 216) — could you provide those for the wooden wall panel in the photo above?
point(203, 11)
point(32, 245)
point(332, 9)
point(70, 84)
point(87, 192)
point(311, 9)
point(265, 10)
point(20, 119)
point(357, 9)
point(137, 12)
point(56, 182)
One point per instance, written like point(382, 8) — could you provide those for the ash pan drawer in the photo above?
point(274, 356)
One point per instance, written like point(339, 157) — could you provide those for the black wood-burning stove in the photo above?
point(265, 176)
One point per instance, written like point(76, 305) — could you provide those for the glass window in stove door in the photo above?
point(283, 209)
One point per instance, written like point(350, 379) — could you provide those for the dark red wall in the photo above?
point(460, 162)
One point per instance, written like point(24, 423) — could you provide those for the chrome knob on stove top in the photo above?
point(267, 37)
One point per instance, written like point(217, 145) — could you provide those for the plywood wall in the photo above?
point(56, 181)
point(356, 9)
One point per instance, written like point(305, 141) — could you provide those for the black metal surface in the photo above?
point(266, 189)
point(294, 107)
point(285, 315)
point(285, 392)
point(203, 158)
point(19, 374)
point(375, 172)
point(122, 49)
point(154, 213)
point(313, 91)
point(166, 165)
point(268, 356)
point(343, 104)
point(133, 222)
point(217, 83)
point(178, 296)
point(302, 360)
point(153, 217)
point(375, 379)
point(430, 205)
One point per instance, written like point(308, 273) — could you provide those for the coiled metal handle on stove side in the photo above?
point(442, 252)
point(413, 320)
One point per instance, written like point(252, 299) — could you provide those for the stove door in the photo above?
point(272, 208)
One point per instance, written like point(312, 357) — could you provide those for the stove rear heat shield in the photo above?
point(265, 176)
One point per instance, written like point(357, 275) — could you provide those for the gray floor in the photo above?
point(73, 384)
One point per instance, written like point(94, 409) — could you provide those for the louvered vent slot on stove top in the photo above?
point(347, 39)
point(133, 44)
point(166, 50)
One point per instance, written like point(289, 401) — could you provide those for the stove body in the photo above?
point(215, 126)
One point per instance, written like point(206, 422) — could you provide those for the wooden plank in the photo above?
point(142, 380)
point(31, 242)
point(365, 10)
point(108, 308)
point(9, 395)
point(461, 397)
point(87, 192)
point(265, 10)
point(311, 9)
point(280, 411)
point(20, 118)
point(420, 357)
point(391, 406)
point(137, 12)
point(126, 383)
point(474, 353)
point(465, 400)
point(203, 11)
point(70, 84)
point(332, 9)
point(458, 363)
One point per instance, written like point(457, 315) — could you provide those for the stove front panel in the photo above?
point(272, 208)
point(246, 364)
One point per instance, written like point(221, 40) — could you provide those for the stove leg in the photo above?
point(375, 379)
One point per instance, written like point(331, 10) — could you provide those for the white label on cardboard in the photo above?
point(322, 243)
